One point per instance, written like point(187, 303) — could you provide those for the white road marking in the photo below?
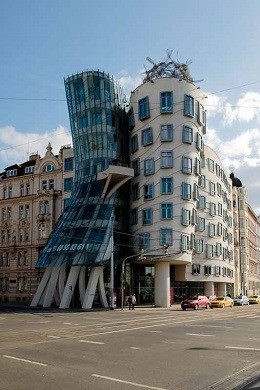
point(54, 337)
point(253, 338)
point(127, 382)
point(212, 326)
point(67, 323)
point(201, 335)
point(37, 322)
point(155, 331)
point(25, 360)
point(91, 342)
point(2, 318)
point(243, 348)
point(135, 348)
point(169, 342)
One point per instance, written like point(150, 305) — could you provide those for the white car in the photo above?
point(241, 300)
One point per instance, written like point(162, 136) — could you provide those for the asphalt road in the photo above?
point(147, 348)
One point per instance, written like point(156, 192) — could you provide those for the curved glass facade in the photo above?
point(99, 133)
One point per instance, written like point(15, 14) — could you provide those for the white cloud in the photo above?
point(129, 83)
point(214, 105)
point(15, 146)
point(247, 110)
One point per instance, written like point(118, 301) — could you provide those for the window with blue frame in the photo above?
point(189, 108)
point(94, 88)
point(144, 110)
point(166, 211)
point(136, 191)
point(68, 164)
point(134, 216)
point(79, 92)
point(202, 202)
point(186, 217)
point(146, 240)
point(48, 168)
point(167, 159)
point(166, 185)
point(186, 190)
point(166, 236)
point(166, 132)
point(147, 216)
point(166, 102)
point(136, 166)
point(186, 164)
point(149, 166)
point(96, 118)
point(134, 143)
point(187, 134)
point(131, 119)
point(201, 224)
point(148, 191)
point(68, 184)
point(66, 203)
point(147, 136)
point(185, 242)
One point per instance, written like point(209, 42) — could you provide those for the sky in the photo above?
point(44, 41)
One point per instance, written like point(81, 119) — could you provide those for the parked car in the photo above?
point(254, 299)
point(222, 302)
point(241, 300)
point(195, 302)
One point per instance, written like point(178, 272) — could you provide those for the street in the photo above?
point(160, 349)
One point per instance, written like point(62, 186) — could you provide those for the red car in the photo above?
point(195, 302)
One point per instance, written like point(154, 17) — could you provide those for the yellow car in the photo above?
point(221, 302)
point(254, 299)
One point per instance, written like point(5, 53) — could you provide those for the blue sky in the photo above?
point(44, 41)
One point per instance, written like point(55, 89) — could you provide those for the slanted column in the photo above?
point(162, 284)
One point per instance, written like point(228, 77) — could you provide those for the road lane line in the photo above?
point(155, 331)
point(54, 337)
point(26, 361)
point(127, 382)
point(212, 326)
point(242, 348)
point(135, 348)
point(91, 342)
point(201, 335)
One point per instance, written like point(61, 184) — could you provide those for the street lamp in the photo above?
point(141, 256)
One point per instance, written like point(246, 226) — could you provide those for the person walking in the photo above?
point(129, 301)
point(133, 301)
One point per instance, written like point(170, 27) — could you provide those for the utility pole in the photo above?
point(112, 264)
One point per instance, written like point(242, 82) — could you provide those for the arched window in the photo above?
point(48, 168)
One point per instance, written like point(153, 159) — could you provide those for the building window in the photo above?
point(51, 184)
point(131, 119)
point(185, 242)
point(202, 181)
point(136, 167)
point(202, 115)
point(28, 189)
point(134, 216)
point(199, 142)
point(44, 207)
point(201, 224)
point(213, 209)
point(10, 192)
point(134, 143)
point(68, 164)
point(202, 202)
point(147, 136)
point(68, 184)
point(166, 132)
point(207, 269)
point(166, 211)
point(166, 236)
point(96, 118)
point(29, 169)
point(189, 108)
point(144, 111)
point(148, 191)
point(217, 270)
point(220, 229)
point(146, 240)
point(186, 165)
point(199, 245)
point(186, 217)
point(212, 188)
point(48, 168)
point(166, 185)
point(197, 167)
point(22, 190)
point(9, 213)
point(147, 216)
point(11, 172)
point(212, 230)
point(136, 191)
point(186, 190)
point(4, 193)
point(149, 166)
point(210, 250)
point(167, 159)
point(211, 165)
point(44, 185)
point(187, 135)
point(219, 249)
point(195, 269)
point(27, 210)
point(166, 102)
point(66, 203)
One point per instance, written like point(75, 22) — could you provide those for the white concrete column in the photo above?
point(101, 289)
point(41, 288)
point(91, 287)
point(209, 289)
point(162, 284)
point(70, 286)
point(49, 296)
point(221, 289)
point(82, 284)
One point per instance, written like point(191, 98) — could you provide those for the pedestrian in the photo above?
point(133, 301)
point(129, 301)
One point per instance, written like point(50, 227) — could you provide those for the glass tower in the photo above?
point(99, 133)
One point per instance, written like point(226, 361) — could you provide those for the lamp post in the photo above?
point(141, 256)
point(112, 264)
